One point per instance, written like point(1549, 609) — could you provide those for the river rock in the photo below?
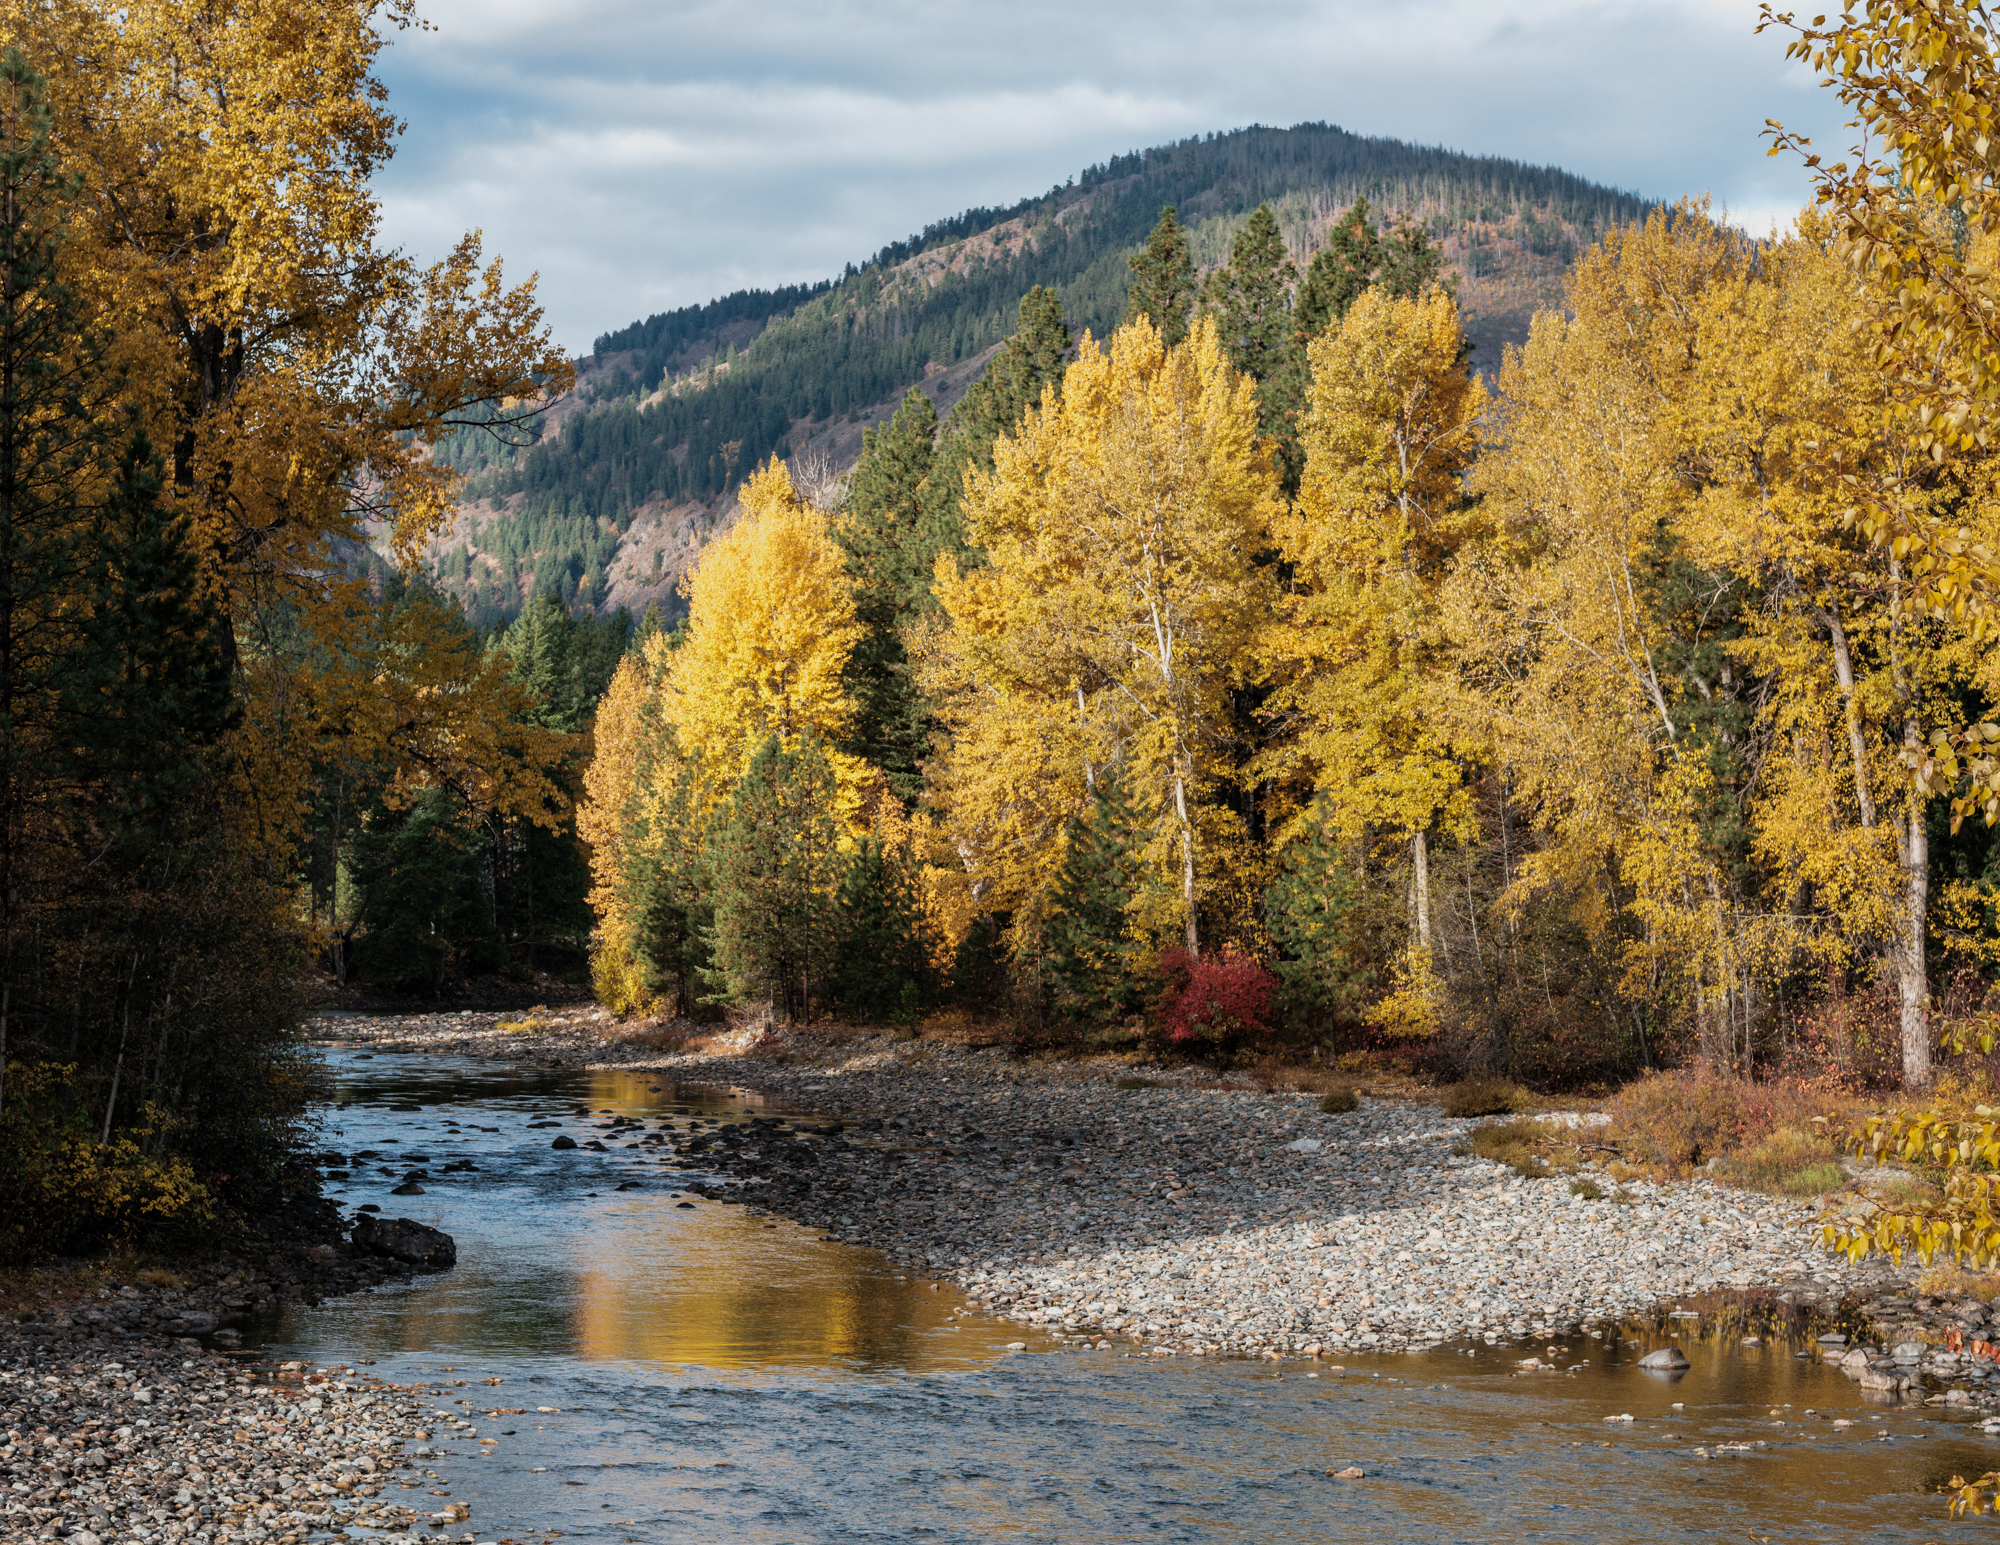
point(1886, 1379)
point(1666, 1357)
point(1908, 1351)
point(405, 1239)
point(563, 1142)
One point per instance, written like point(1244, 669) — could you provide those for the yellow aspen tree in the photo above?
point(1113, 615)
point(294, 373)
point(1562, 651)
point(1356, 653)
point(1788, 422)
point(770, 626)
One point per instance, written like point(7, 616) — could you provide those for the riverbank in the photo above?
point(1076, 1198)
point(116, 1435)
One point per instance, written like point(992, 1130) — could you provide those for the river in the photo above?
point(714, 1373)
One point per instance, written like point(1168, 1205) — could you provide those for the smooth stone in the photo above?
point(1907, 1351)
point(1665, 1357)
point(563, 1142)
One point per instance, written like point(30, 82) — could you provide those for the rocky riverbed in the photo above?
point(1076, 1198)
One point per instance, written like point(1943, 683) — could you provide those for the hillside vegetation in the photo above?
point(630, 477)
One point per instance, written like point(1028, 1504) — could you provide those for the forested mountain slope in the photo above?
point(633, 472)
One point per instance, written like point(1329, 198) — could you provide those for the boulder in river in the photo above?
point(563, 1142)
point(405, 1239)
point(1670, 1359)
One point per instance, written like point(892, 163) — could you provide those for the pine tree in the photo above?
point(775, 871)
point(1163, 284)
point(1091, 961)
point(884, 969)
point(1339, 273)
point(1411, 262)
point(882, 538)
point(1031, 360)
point(1251, 297)
point(1311, 914)
point(664, 878)
point(425, 906)
point(152, 688)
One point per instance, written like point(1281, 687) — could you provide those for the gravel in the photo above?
point(156, 1438)
point(1185, 1219)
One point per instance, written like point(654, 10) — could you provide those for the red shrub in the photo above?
point(1220, 999)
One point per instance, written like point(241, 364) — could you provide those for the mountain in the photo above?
point(634, 470)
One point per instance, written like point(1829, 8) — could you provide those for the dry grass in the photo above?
point(1275, 1077)
point(1487, 1097)
point(1531, 1148)
point(1954, 1281)
point(1792, 1161)
point(1337, 1101)
point(159, 1277)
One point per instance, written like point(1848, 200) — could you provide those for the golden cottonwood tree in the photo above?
point(1115, 611)
point(1562, 651)
point(770, 626)
point(1357, 654)
point(293, 372)
point(1674, 624)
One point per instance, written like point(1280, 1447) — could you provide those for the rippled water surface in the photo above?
point(726, 1376)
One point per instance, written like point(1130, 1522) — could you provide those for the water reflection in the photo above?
point(721, 1374)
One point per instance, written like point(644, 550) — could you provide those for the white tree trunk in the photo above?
point(1911, 969)
point(1187, 862)
point(1420, 889)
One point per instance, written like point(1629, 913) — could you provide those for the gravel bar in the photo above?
point(157, 1438)
point(1184, 1219)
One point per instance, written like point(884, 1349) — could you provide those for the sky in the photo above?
point(647, 154)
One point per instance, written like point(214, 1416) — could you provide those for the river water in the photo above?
point(717, 1374)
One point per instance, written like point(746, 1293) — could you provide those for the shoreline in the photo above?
point(1186, 1219)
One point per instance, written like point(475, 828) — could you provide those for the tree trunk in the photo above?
point(1420, 888)
point(1912, 970)
point(1187, 863)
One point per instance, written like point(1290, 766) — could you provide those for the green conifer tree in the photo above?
point(1338, 274)
point(1312, 914)
point(1032, 359)
point(775, 872)
point(883, 970)
point(1163, 284)
point(883, 539)
point(666, 877)
point(1411, 261)
point(1091, 961)
point(1251, 298)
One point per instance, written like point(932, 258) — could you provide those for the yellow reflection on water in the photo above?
point(719, 1287)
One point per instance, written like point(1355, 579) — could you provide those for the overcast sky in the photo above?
point(643, 156)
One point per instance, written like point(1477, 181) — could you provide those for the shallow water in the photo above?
point(724, 1375)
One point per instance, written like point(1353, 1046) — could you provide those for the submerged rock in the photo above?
point(405, 1239)
point(1666, 1357)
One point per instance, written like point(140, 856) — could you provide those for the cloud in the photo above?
point(645, 156)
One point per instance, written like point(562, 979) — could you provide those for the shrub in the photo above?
point(1533, 1149)
point(1217, 1000)
point(1338, 1101)
point(1677, 1121)
point(1486, 1097)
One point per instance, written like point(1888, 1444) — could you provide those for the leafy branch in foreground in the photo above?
point(1964, 1223)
